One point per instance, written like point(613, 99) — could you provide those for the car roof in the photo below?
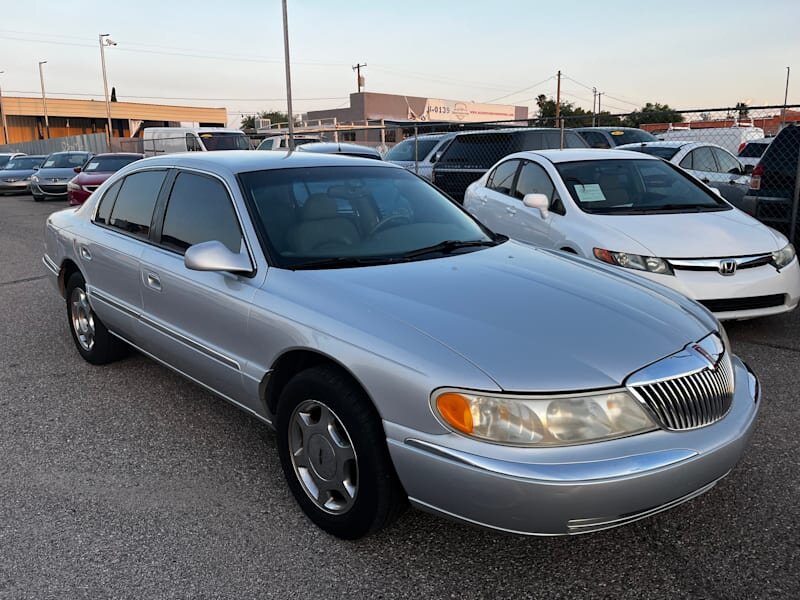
point(609, 129)
point(663, 144)
point(575, 154)
point(336, 147)
point(241, 161)
point(511, 130)
point(124, 154)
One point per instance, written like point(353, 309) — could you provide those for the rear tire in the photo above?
point(334, 455)
point(93, 341)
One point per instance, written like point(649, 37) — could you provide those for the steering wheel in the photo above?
point(383, 222)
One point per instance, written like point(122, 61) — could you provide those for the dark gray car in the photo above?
point(15, 177)
point(51, 179)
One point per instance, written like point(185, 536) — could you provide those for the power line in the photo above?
point(436, 78)
point(49, 93)
point(525, 89)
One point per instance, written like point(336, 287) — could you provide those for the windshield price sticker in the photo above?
point(590, 192)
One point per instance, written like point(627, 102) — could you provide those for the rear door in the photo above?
point(110, 252)
point(195, 320)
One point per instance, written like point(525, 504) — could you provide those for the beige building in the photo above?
point(26, 122)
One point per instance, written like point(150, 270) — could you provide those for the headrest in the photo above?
point(319, 206)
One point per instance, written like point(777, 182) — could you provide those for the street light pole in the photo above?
point(105, 40)
point(3, 114)
point(288, 76)
point(44, 98)
point(785, 98)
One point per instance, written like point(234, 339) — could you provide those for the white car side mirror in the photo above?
point(215, 256)
point(539, 201)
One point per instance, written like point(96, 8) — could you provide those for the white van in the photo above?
point(281, 142)
point(169, 140)
point(732, 139)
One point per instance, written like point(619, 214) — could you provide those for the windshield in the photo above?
point(224, 140)
point(24, 163)
point(636, 186)
point(64, 161)
point(376, 214)
point(630, 136)
point(411, 150)
point(665, 152)
point(108, 164)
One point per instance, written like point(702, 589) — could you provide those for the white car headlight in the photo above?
point(543, 420)
point(34, 178)
point(637, 262)
point(783, 257)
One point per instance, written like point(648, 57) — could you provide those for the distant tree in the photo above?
point(705, 116)
point(653, 113)
point(276, 116)
point(743, 110)
point(113, 94)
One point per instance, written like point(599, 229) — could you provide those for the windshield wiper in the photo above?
point(668, 208)
point(448, 246)
point(343, 262)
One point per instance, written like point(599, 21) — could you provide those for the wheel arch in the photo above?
point(68, 268)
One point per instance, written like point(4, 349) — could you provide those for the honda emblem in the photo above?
point(727, 267)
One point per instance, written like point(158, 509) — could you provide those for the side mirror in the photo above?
point(539, 201)
point(748, 169)
point(215, 256)
point(77, 169)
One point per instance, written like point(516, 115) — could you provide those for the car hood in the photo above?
point(91, 178)
point(65, 173)
point(530, 319)
point(694, 235)
point(15, 173)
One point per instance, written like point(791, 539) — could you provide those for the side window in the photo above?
point(192, 143)
point(199, 210)
point(726, 162)
point(687, 161)
point(595, 139)
point(107, 203)
point(133, 210)
point(502, 178)
point(533, 179)
point(703, 160)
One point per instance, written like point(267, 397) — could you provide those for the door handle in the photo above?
point(153, 281)
point(511, 211)
point(85, 254)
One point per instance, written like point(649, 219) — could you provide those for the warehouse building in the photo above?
point(25, 117)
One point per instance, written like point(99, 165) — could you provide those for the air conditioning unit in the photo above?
point(263, 123)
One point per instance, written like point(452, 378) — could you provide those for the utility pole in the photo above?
point(288, 76)
point(558, 99)
point(105, 40)
point(44, 98)
point(785, 98)
point(3, 114)
point(598, 106)
point(359, 81)
point(594, 106)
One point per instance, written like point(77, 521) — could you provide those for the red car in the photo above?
point(99, 168)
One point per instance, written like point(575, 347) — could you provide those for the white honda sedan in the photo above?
point(641, 213)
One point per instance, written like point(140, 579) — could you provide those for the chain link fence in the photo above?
point(750, 154)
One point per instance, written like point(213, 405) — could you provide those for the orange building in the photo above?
point(26, 122)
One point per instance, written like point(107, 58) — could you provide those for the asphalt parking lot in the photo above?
point(128, 481)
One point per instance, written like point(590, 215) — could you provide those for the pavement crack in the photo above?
point(23, 280)
point(770, 345)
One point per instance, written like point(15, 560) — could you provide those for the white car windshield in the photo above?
point(620, 186)
point(352, 215)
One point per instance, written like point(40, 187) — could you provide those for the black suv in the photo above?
point(773, 181)
point(471, 154)
point(611, 137)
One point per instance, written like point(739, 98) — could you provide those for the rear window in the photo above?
point(753, 150)
point(665, 152)
point(133, 209)
point(411, 149)
point(478, 151)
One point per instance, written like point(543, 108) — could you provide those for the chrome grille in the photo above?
point(691, 400)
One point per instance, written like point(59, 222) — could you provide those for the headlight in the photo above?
point(544, 420)
point(634, 261)
point(73, 186)
point(34, 178)
point(28, 178)
point(783, 257)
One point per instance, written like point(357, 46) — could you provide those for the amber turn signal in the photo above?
point(455, 409)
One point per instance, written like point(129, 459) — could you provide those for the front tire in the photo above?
point(334, 455)
point(37, 198)
point(93, 341)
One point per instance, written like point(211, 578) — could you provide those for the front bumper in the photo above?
point(579, 489)
point(17, 187)
point(55, 190)
point(77, 197)
point(751, 283)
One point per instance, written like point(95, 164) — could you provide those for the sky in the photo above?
point(229, 53)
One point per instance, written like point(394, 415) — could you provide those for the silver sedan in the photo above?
point(401, 350)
